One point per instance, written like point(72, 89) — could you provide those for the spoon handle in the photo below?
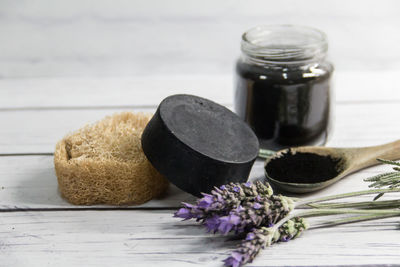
point(366, 156)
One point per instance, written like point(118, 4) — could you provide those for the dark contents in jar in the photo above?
point(285, 106)
point(303, 168)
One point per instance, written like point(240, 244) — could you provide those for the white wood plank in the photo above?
point(180, 37)
point(29, 182)
point(37, 131)
point(106, 92)
point(369, 86)
point(364, 124)
point(349, 86)
point(142, 238)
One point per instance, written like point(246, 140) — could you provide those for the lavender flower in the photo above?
point(212, 223)
point(251, 246)
point(263, 237)
point(184, 213)
point(206, 202)
point(223, 199)
point(252, 208)
point(292, 229)
point(238, 208)
point(253, 214)
point(227, 223)
point(247, 207)
point(235, 260)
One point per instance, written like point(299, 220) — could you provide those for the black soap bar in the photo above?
point(198, 144)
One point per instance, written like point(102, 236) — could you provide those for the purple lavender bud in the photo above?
point(257, 206)
point(212, 223)
point(220, 199)
point(227, 223)
point(285, 239)
point(250, 204)
point(235, 260)
point(184, 213)
point(193, 211)
point(206, 201)
point(251, 246)
point(250, 236)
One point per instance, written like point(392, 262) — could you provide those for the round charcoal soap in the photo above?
point(198, 144)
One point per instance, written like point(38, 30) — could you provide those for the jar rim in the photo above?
point(284, 43)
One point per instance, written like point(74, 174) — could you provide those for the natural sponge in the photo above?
point(104, 163)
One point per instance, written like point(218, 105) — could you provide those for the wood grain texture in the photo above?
point(143, 91)
point(69, 63)
point(37, 131)
point(78, 38)
point(142, 238)
point(29, 182)
point(109, 92)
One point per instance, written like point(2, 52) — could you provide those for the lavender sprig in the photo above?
point(388, 180)
point(263, 237)
point(238, 207)
point(223, 199)
point(250, 214)
point(267, 218)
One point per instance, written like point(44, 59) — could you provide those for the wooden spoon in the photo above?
point(349, 160)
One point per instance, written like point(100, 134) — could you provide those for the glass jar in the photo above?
point(283, 85)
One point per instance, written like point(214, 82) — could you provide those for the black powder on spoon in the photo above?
point(303, 168)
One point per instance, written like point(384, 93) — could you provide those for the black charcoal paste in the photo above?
point(285, 107)
point(303, 168)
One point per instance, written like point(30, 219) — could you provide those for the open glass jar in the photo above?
point(283, 85)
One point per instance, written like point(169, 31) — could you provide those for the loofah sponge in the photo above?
point(104, 163)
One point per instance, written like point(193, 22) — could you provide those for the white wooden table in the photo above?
point(64, 65)
point(39, 228)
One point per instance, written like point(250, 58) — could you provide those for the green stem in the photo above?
point(360, 205)
point(379, 177)
point(366, 215)
point(283, 220)
point(391, 162)
point(346, 195)
point(353, 219)
point(386, 180)
point(323, 212)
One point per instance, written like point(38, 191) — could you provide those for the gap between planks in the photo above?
point(86, 209)
point(119, 107)
point(25, 154)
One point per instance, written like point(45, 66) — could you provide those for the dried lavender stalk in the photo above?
point(223, 199)
point(263, 237)
point(265, 217)
point(238, 207)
